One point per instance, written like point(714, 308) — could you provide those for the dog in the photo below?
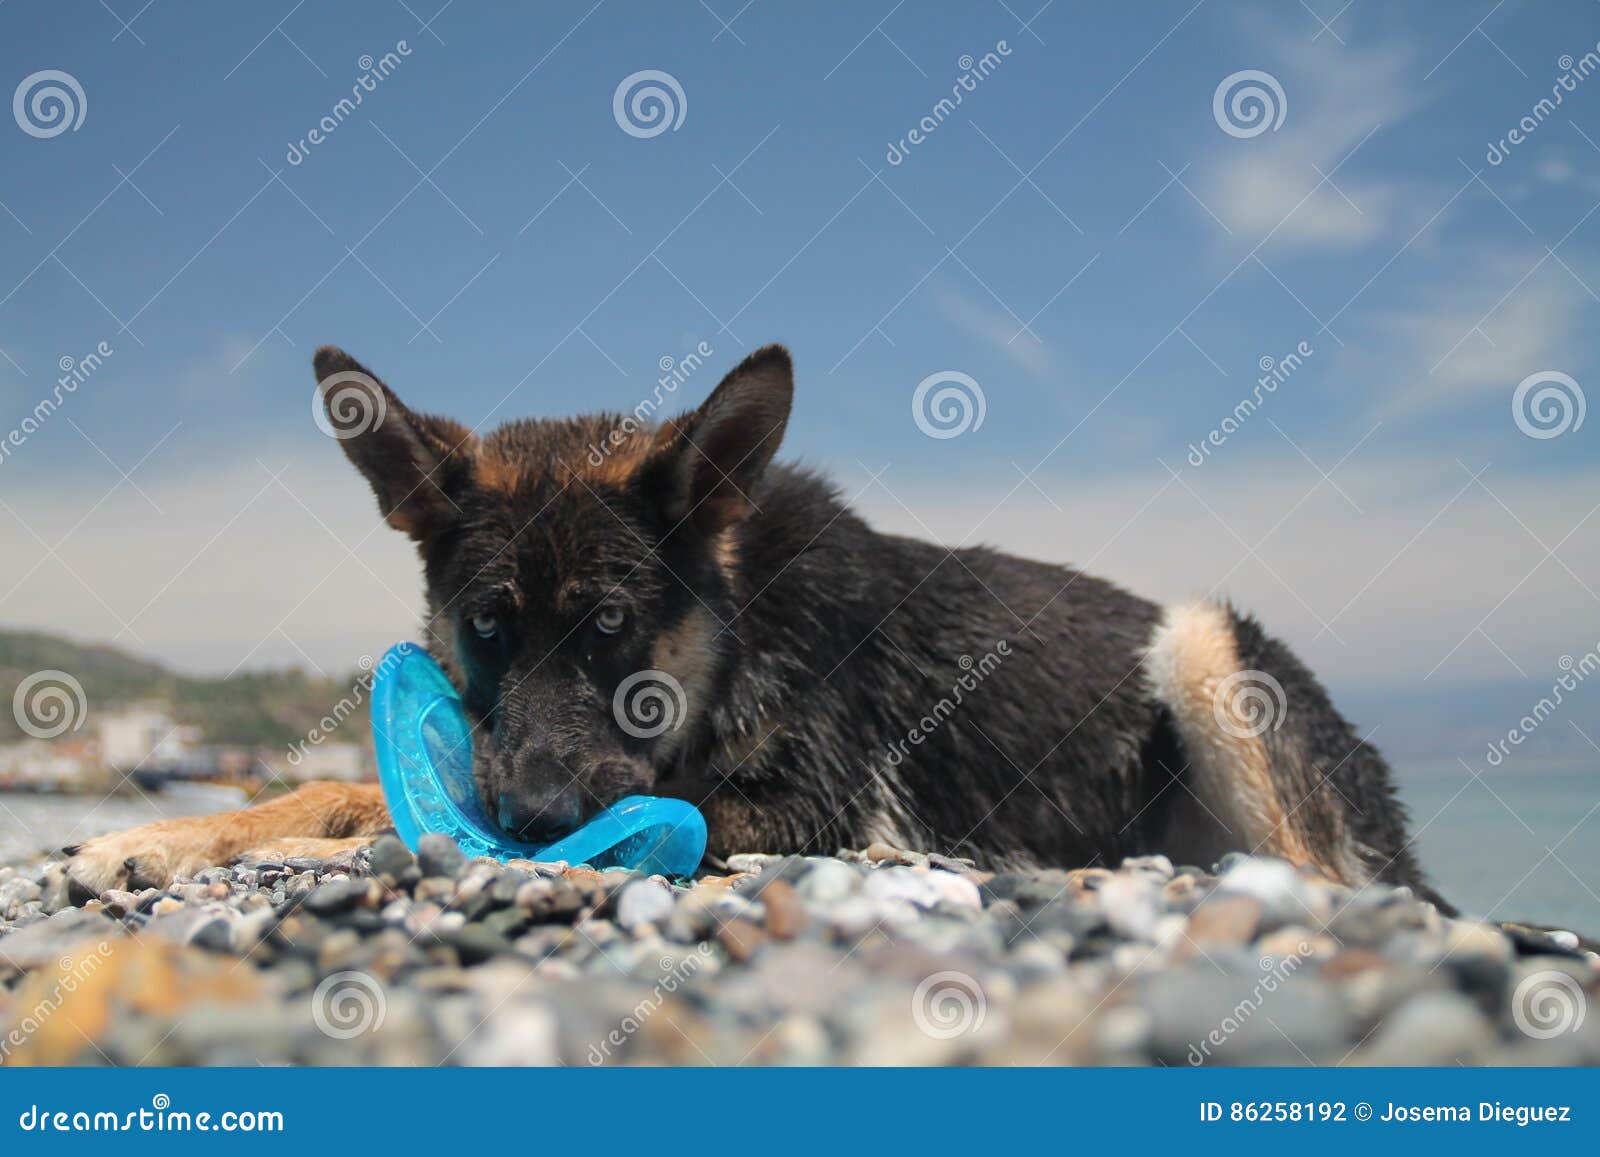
point(809, 683)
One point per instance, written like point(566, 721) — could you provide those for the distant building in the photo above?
point(144, 735)
point(64, 766)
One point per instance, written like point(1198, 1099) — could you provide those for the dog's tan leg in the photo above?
point(312, 848)
point(153, 854)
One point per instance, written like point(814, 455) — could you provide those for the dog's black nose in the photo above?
point(539, 817)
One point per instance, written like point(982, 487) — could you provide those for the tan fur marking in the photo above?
point(495, 472)
point(687, 652)
point(1191, 654)
point(620, 461)
point(726, 551)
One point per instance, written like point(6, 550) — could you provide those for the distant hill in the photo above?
point(271, 708)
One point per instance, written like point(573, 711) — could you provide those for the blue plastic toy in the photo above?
point(424, 749)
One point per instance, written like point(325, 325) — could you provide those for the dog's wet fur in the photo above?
point(839, 686)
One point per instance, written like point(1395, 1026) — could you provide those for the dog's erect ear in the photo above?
point(714, 457)
point(415, 462)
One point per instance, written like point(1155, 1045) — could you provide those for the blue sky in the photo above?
point(1080, 236)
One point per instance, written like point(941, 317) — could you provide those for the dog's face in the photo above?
point(578, 574)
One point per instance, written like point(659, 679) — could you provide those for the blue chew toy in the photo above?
point(424, 749)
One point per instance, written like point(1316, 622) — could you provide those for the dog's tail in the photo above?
point(1271, 766)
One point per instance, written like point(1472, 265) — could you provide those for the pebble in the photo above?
point(644, 902)
point(391, 857)
point(828, 882)
point(786, 915)
point(438, 855)
point(336, 896)
point(1224, 922)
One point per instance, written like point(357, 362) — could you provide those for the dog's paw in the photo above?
point(151, 856)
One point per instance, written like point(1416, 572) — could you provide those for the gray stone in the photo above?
point(391, 857)
point(828, 881)
point(438, 855)
point(44, 943)
point(644, 902)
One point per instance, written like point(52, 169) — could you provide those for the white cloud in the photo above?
point(995, 326)
point(1485, 322)
point(1335, 98)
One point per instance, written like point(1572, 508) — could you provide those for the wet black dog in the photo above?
point(631, 607)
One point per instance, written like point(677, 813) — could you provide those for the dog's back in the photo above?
point(1022, 713)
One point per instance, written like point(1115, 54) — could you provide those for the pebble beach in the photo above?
point(872, 957)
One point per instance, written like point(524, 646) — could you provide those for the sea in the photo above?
point(1512, 843)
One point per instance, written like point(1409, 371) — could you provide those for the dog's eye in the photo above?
point(610, 620)
point(485, 626)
